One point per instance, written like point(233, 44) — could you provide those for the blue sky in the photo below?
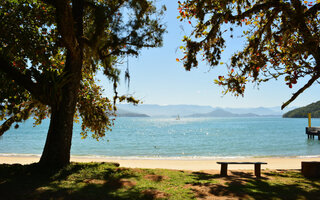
point(157, 78)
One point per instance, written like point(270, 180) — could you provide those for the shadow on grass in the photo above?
point(76, 181)
point(204, 176)
point(88, 181)
point(240, 185)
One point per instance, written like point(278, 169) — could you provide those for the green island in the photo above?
point(302, 112)
point(108, 181)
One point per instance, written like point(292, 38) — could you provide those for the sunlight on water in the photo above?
point(184, 138)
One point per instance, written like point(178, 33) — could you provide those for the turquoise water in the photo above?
point(185, 138)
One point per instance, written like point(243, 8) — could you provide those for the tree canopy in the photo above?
point(282, 40)
point(51, 50)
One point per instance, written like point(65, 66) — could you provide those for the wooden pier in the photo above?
point(313, 131)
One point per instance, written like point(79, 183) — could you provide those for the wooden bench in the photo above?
point(257, 167)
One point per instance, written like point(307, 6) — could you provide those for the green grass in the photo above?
point(107, 181)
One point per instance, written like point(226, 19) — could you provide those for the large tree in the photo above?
point(282, 40)
point(50, 51)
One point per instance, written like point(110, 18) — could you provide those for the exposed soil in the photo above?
point(221, 190)
point(213, 191)
point(127, 183)
point(119, 183)
point(155, 194)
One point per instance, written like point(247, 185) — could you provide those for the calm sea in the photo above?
point(178, 139)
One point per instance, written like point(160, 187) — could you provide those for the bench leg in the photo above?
point(224, 169)
point(257, 170)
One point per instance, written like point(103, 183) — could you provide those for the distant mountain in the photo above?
point(124, 113)
point(302, 112)
point(222, 113)
point(167, 110)
point(187, 110)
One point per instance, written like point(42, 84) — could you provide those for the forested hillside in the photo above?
point(302, 112)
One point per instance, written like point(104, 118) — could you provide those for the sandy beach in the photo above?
point(179, 164)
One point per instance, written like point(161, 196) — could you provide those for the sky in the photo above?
point(157, 78)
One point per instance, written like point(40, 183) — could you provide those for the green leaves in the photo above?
point(34, 45)
point(282, 39)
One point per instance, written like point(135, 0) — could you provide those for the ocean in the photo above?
point(168, 138)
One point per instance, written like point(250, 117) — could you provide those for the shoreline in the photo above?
point(93, 156)
point(192, 164)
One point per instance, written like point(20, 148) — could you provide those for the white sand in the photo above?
point(179, 164)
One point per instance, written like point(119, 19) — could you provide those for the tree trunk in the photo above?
point(56, 153)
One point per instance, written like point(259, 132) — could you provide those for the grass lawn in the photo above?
point(107, 181)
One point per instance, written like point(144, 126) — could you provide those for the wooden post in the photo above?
point(309, 119)
point(224, 169)
point(257, 170)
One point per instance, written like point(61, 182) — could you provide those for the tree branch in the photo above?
point(309, 39)
point(20, 78)
point(257, 8)
point(313, 10)
point(6, 125)
point(15, 118)
point(65, 24)
point(301, 90)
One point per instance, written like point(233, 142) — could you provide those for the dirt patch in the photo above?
point(155, 194)
point(213, 192)
point(95, 181)
point(156, 178)
point(211, 171)
point(220, 187)
point(127, 183)
point(119, 183)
